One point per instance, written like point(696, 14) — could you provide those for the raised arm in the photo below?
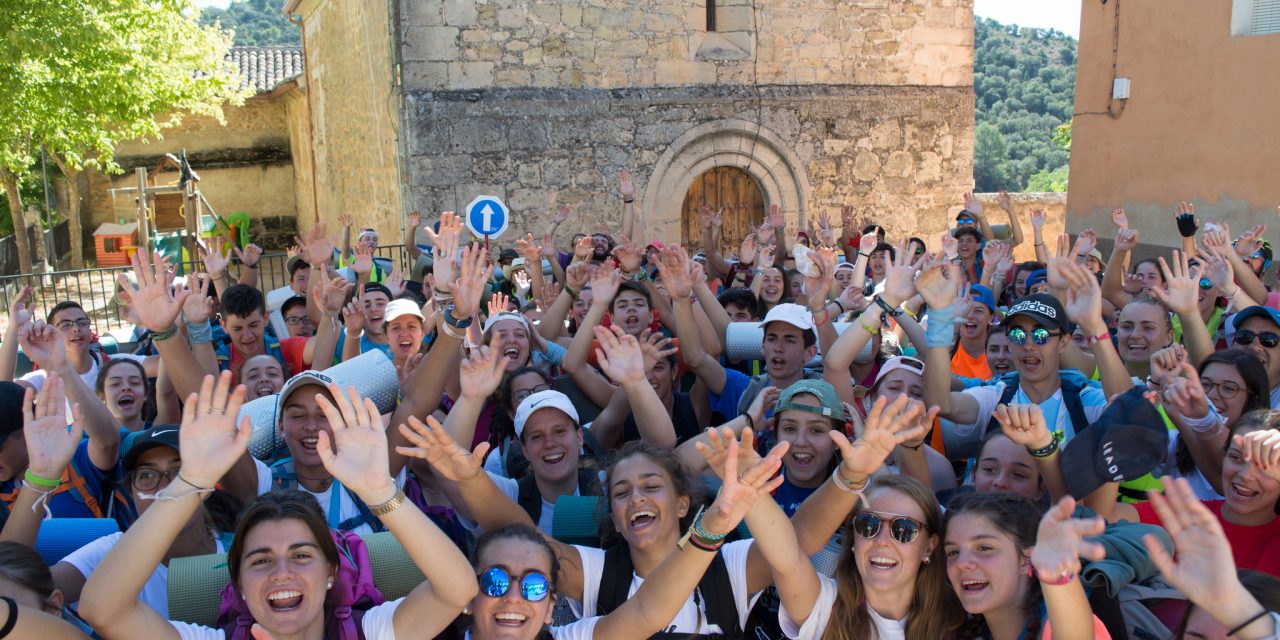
point(474, 494)
point(1182, 287)
point(1024, 425)
point(1057, 559)
point(1184, 217)
point(357, 457)
point(1038, 217)
point(574, 279)
point(1219, 241)
point(479, 377)
point(604, 285)
point(674, 267)
point(1084, 307)
point(1204, 569)
point(712, 223)
point(210, 444)
point(1015, 225)
point(50, 447)
point(974, 206)
point(1200, 427)
point(621, 358)
point(21, 313)
point(1114, 277)
point(215, 261)
point(656, 603)
point(715, 313)
point(627, 191)
point(44, 344)
point(249, 257)
point(345, 220)
point(412, 222)
point(939, 286)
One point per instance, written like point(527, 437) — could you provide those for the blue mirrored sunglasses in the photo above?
point(1039, 335)
point(1206, 284)
point(964, 220)
point(534, 586)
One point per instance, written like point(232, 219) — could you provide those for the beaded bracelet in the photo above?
point(699, 532)
point(1046, 451)
point(164, 335)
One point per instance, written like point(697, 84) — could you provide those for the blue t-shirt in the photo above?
point(790, 496)
point(85, 491)
point(366, 345)
point(726, 402)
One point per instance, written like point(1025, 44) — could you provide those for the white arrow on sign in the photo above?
point(487, 212)
point(487, 216)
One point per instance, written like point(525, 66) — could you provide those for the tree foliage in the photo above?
point(79, 76)
point(255, 22)
point(1024, 81)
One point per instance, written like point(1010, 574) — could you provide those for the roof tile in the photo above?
point(263, 68)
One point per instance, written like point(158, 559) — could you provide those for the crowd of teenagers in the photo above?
point(918, 439)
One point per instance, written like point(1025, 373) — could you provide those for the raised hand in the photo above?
point(717, 218)
point(577, 276)
point(1085, 242)
point(950, 245)
point(620, 356)
point(747, 252)
point(1181, 290)
point(444, 248)
point(22, 310)
point(1184, 215)
point(395, 282)
point(899, 278)
point(887, 425)
point(774, 219)
point(1119, 217)
point(433, 444)
point(973, 205)
point(1204, 570)
point(1024, 424)
point(1060, 542)
point(817, 283)
point(762, 403)
point(293, 251)
point(43, 344)
point(1216, 269)
point(413, 221)
point(848, 222)
point(867, 243)
point(740, 491)
point(156, 306)
point(353, 318)
point(628, 255)
point(317, 246)
point(404, 372)
point(1126, 239)
point(1262, 448)
point(345, 220)
point(582, 249)
point(1166, 364)
point(249, 256)
point(356, 453)
point(716, 449)
point(1250, 242)
point(625, 188)
point(212, 253)
point(605, 282)
point(1084, 295)
point(50, 444)
point(331, 296)
point(825, 236)
point(1185, 393)
point(766, 259)
point(482, 371)
point(469, 287)
point(1005, 202)
point(655, 346)
point(529, 248)
point(562, 214)
point(210, 441)
point(198, 307)
point(704, 212)
point(497, 303)
point(362, 263)
point(1038, 218)
point(938, 285)
point(523, 284)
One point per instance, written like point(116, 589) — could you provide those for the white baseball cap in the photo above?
point(505, 315)
point(549, 399)
point(793, 314)
point(400, 307)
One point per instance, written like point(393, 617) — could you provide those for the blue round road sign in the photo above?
point(487, 216)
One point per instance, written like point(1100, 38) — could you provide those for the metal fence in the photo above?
point(95, 289)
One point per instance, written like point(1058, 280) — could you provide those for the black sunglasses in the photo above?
point(1267, 338)
point(903, 529)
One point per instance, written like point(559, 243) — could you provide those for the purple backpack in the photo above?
point(353, 594)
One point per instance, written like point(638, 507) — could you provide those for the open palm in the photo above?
point(50, 444)
point(433, 444)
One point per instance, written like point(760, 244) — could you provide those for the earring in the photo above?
point(926, 561)
point(330, 585)
point(466, 611)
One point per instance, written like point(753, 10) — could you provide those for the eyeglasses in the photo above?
point(1227, 390)
point(64, 325)
point(1268, 339)
point(964, 220)
point(1039, 335)
point(294, 321)
point(496, 582)
point(901, 528)
point(519, 396)
point(1206, 284)
point(148, 479)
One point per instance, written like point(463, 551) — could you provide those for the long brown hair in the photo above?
point(934, 610)
point(681, 481)
point(1018, 518)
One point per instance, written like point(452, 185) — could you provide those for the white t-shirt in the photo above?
point(347, 505)
point(816, 623)
point(36, 378)
point(580, 630)
point(155, 593)
point(693, 615)
point(377, 623)
point(512, 488)
point(1199, 484)
point(1055, 412)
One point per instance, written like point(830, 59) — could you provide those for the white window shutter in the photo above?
point(1266, 17)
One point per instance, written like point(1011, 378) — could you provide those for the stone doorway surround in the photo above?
point(730, 142)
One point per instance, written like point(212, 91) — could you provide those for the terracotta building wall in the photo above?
point(1201, 125)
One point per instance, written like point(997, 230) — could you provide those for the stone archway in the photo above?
point(737, 143)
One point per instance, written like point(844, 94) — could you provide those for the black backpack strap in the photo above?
point(717, 590)
point(684, 418)
point(594, 449)
point(530, 498)
point(589, 482)
point(615, 579)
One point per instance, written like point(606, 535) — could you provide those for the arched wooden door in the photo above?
point(728, 187)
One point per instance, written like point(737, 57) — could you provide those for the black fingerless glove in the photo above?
point(1187, 225)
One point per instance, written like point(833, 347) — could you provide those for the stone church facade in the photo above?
point(854, 102)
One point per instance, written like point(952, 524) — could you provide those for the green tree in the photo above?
point(255, 22)
point(1024, 81)
point(79, 76)
point(990, 166)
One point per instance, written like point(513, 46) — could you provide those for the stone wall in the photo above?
point(1053, 204)
point(471, 44)
point(902, 155)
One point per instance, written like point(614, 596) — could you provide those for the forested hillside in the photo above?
point(256, 22)
point(1025, 85)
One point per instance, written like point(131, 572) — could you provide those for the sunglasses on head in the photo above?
point(964, 220)
point(496, 582)
point(1039, 335)
point(901, 528)
point(1268, 339)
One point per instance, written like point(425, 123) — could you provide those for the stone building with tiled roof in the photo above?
point(257, 162)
